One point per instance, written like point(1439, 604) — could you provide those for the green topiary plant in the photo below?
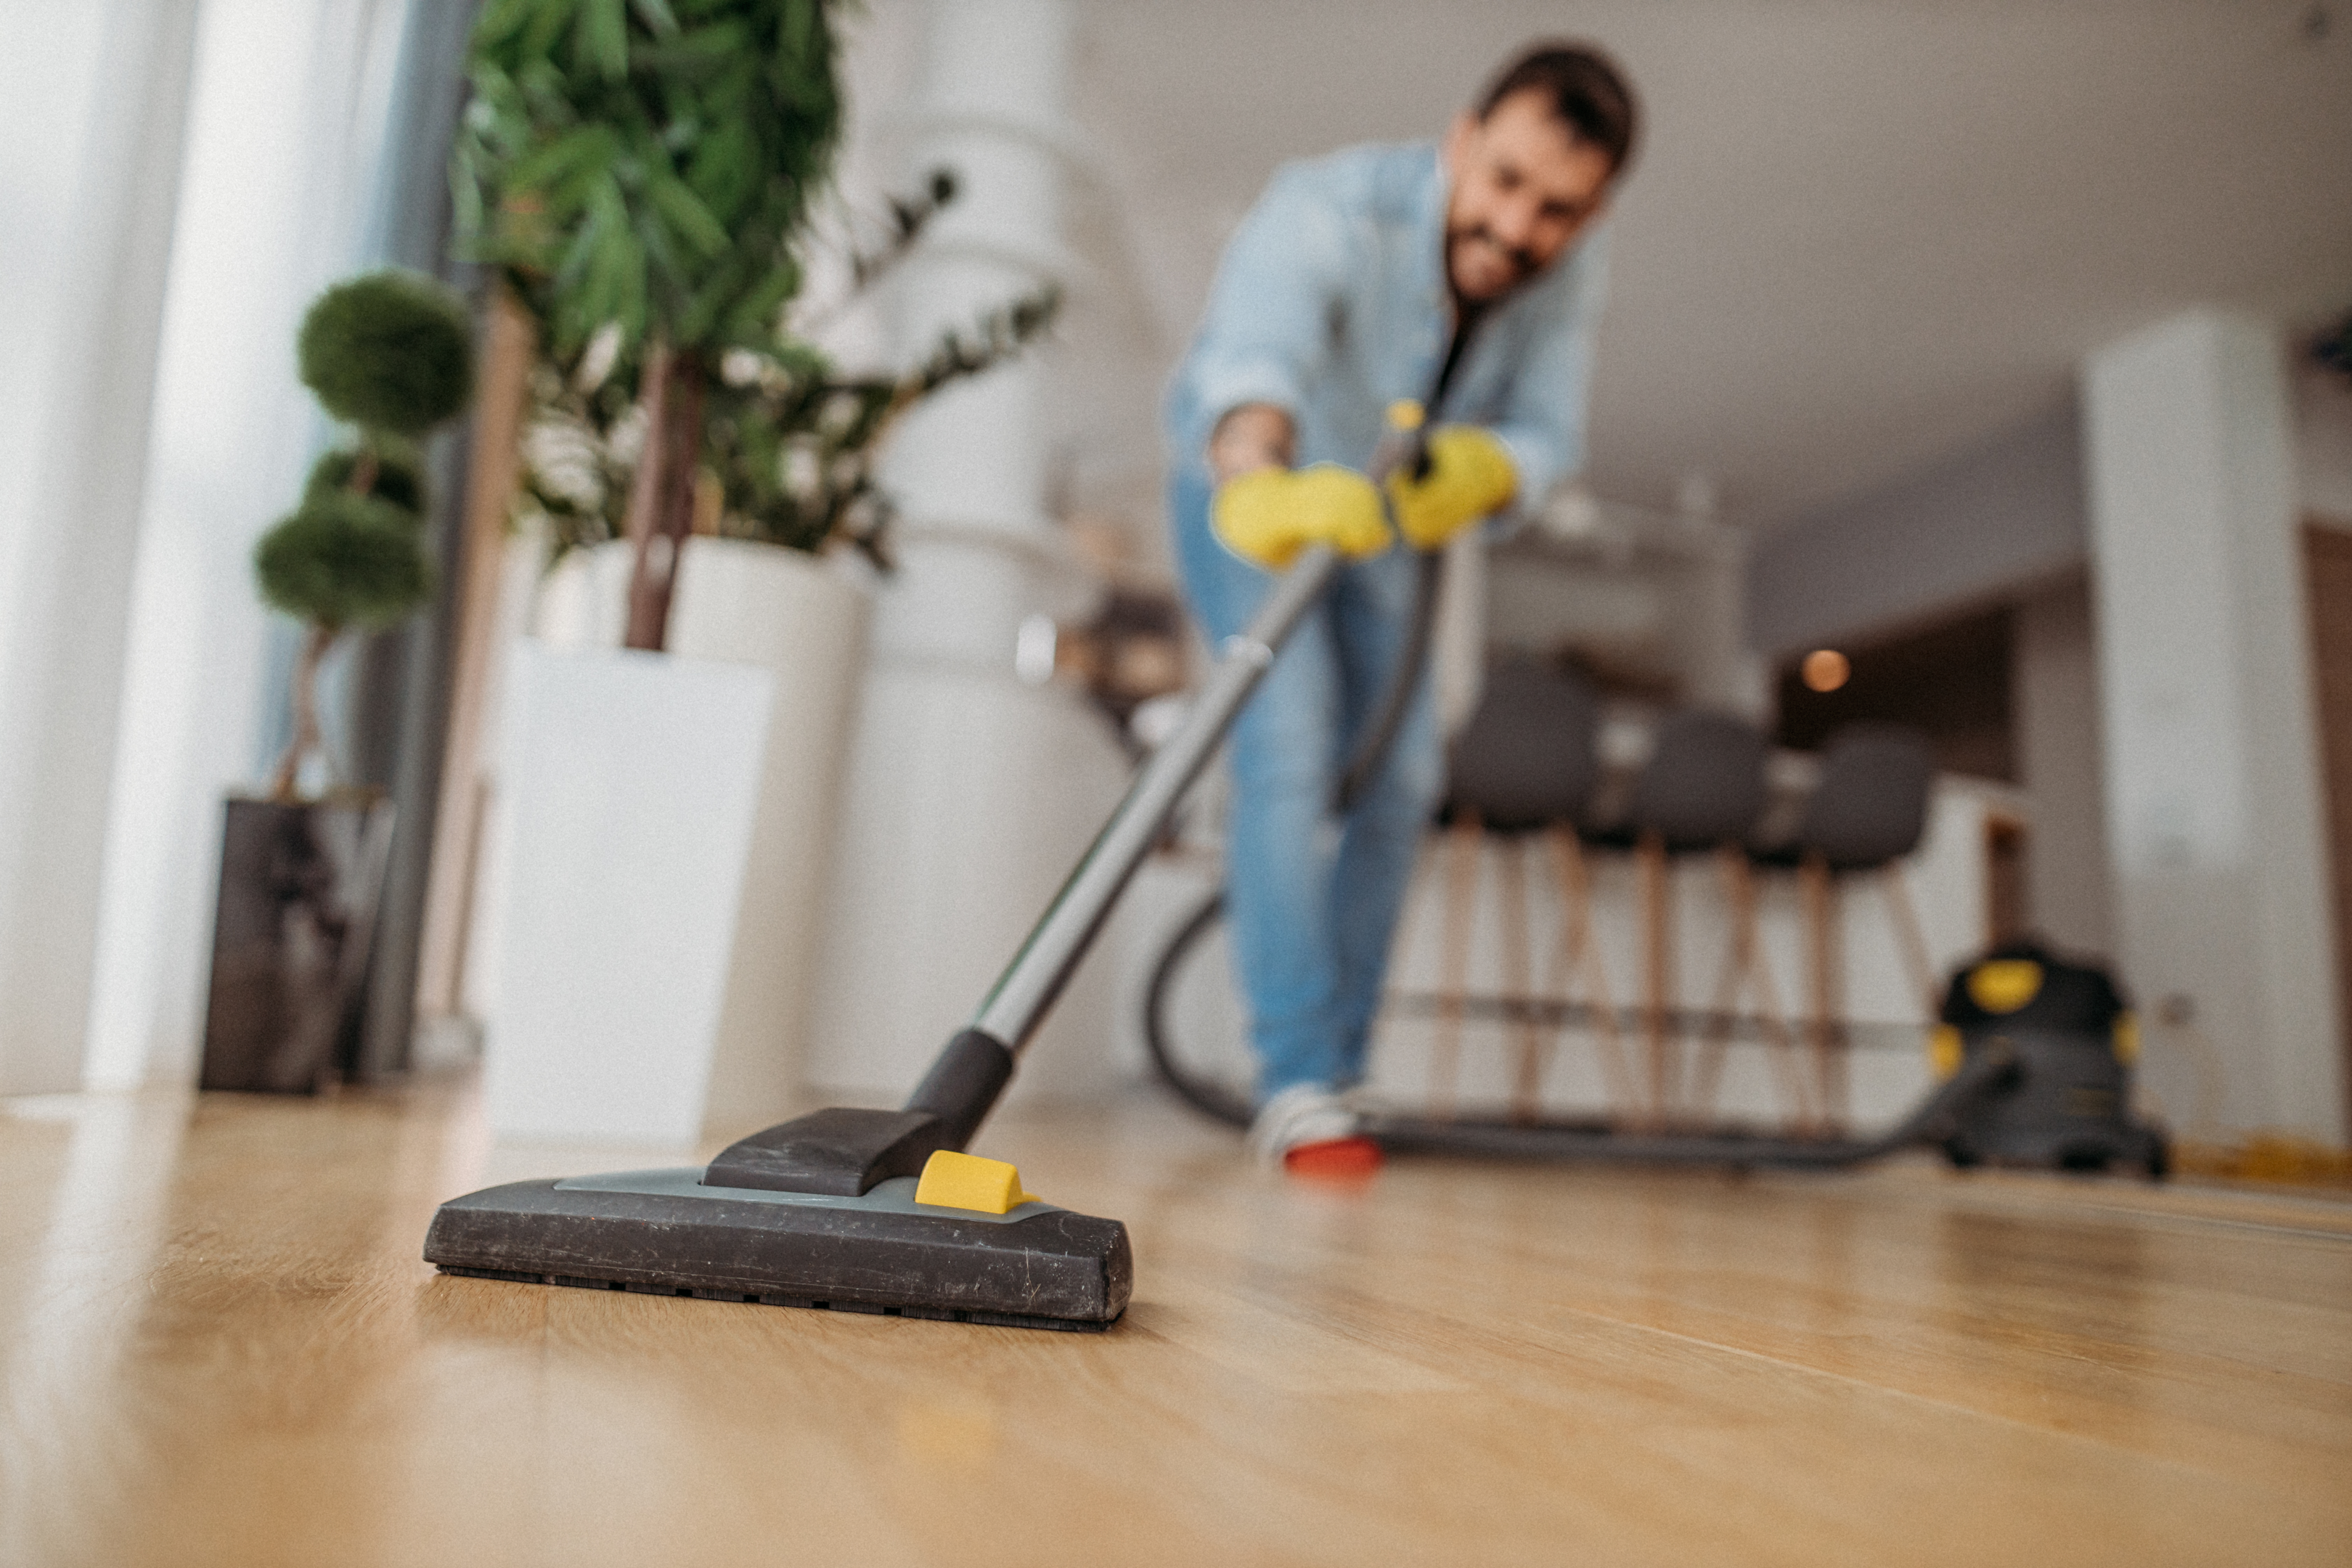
point(344, 560)
point(646, 165)
point(391, 354)
point(399, 478)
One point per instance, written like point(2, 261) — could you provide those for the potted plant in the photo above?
point(640, 177)
point(301, 867)
point(791, 440)
point(680, 434)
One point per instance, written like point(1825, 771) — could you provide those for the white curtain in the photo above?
point(210, 167)
point(92, 104)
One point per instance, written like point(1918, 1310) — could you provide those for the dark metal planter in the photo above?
point(299, 888)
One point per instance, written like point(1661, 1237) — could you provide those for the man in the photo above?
point(1468, 274)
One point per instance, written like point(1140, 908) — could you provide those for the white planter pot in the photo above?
point(792, 614)
point(631, 783)
point(787, 613)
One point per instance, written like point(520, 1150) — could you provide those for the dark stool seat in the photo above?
point(1523, 771)
point(1702, 786)
point(1529, 757)
point(1866, 814)
point(1870, 807)
point(1701, 790)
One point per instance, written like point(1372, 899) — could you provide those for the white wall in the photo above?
point(2002, 517)
point(2054, 700)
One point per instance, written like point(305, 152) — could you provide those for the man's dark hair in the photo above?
point(1581, 85)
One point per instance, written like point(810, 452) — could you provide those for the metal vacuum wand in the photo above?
point(1019, 1001)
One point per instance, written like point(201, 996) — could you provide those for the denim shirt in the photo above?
point(1331, 303)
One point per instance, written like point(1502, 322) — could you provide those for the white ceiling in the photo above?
point(1862, 233)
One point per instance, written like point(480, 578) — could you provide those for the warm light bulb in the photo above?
point(1825, 670)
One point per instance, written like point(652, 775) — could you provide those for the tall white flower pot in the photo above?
point(804, 623)
point(787, 613)
point(631, 786)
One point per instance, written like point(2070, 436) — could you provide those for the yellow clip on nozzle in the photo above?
point(1405, 414)
point(956, 1181)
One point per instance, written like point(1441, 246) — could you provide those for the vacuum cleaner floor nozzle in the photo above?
point(664, 1233)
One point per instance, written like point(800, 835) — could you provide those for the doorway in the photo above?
point(2328, 571)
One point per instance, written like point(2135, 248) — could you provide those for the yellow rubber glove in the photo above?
point(1269, 515)
point(1470, 477)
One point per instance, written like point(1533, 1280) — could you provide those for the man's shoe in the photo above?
point(1311, 1132)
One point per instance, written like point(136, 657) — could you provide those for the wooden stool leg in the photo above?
point(1738, 965)
point(1462, 843)
point(1517, 962)
point(1812, 888)
point(1580, 949)
point(1657, 968)
point(1821, 930)
point(1779, 1041)
point(1837, 1107)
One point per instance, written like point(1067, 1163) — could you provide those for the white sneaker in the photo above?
point(1304, 1113)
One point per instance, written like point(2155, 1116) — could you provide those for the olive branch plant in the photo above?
point(791, 440)
point(642, 172)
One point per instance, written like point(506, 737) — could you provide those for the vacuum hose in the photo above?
point(1364, 760)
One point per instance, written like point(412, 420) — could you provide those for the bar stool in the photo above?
point(1867, 813)
point(1523, 770)
point(1701, 790)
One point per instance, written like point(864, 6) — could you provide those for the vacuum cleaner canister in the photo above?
point(2075, 1042)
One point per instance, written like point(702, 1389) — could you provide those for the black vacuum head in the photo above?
point(880, 1250)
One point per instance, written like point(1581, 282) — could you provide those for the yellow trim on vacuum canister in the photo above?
point(2004, 984)
point(953, 1181)
point(1944, 1051)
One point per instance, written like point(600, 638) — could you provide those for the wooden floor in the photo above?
point(220, 1347)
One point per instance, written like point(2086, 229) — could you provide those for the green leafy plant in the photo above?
point(790, 440)
point(392, 354)
point(642, 168)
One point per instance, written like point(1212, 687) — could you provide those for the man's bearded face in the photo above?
point(1523, 187)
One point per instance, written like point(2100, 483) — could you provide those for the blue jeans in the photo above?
point(1313, 899)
